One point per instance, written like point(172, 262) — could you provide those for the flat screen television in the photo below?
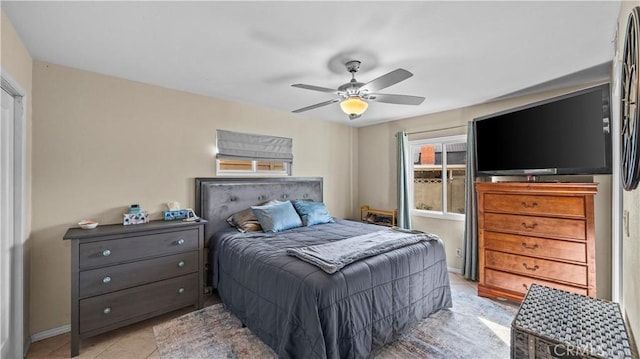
point(566, 135)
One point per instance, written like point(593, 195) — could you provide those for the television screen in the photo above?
point(564, 135)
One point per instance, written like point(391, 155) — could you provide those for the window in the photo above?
point(235, 167)
point(438, 176)
point(248, 154)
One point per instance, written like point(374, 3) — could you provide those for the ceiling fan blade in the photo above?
point(396, 99)
point(386, 80)
point(316, 106)
point(315, 88)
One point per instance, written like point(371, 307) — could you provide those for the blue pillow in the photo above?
point(277, 217)
point(312, 212)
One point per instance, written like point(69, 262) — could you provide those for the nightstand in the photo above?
point(378, 216)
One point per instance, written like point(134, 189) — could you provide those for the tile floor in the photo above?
point(136, 341)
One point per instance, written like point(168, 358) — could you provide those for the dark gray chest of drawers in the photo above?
point(124, 274)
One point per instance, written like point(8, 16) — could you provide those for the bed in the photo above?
point(296, 308)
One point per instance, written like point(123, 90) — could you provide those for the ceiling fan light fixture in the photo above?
point(353, 105)
point(352, 95)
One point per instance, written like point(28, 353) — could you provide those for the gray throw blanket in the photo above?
point(331, 257)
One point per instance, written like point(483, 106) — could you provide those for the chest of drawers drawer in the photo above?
point(106, 252)
point(539, 226)
point(535, 205)
point(536, 247)
point(536, 267)
point(112, 278)
point(521, 284)
point(111, 308)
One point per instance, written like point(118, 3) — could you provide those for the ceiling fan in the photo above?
point(353, 95)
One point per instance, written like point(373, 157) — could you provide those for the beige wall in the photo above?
point(14, 57)
point(630, 203)
point(16, 61)
point(102, 143)
point(377, 173)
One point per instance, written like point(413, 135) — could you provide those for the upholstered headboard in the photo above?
point(218, 197)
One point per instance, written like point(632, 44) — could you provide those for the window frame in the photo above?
point(254, 169)
point(444, 213)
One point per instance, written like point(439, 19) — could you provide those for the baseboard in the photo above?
point(27, 345)
point(454, 270)
point(49, 333)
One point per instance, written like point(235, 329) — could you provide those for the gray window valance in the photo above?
point(245, 146)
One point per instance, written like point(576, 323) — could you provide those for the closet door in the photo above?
point(6, 221)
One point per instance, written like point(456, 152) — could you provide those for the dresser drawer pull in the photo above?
point(533, 269)
point(106, 279)
point(106, 253)
point(529, 226)
point(180, 242)
point(106, 310)
point(525, 286)
point(181, 290)
point(181, 264)
point(527, 205)
point(535, 246)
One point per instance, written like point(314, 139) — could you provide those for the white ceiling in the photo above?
point(461, 53)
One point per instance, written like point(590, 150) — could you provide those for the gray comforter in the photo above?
point(302, 312)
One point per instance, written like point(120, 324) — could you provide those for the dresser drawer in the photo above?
point(537, 247)
point(108, 252)
point(530, 204)
point(521, 284)
point(541, 226)
point(109, 279)
point(565, 272)
point(107, 309)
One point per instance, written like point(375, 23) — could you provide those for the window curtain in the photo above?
point(470, 257)
point(245, 146)
point(404, 217)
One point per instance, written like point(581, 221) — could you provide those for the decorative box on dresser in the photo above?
point(124, 274)
point(535, 232)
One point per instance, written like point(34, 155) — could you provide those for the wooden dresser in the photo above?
point(535, 233)
point(124, 274)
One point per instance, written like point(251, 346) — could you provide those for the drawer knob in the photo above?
point(181, 264)
point(533, 269)
point(106, 253)
point(106, 279)
point(529, 226)
point(181, 290)
point(525, 286)
point(106, 310)
point(527, 205)
point(535, 246)
point(180, 242)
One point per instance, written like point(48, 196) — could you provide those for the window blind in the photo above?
point(245, 146)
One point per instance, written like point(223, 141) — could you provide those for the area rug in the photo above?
point(474, 328)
